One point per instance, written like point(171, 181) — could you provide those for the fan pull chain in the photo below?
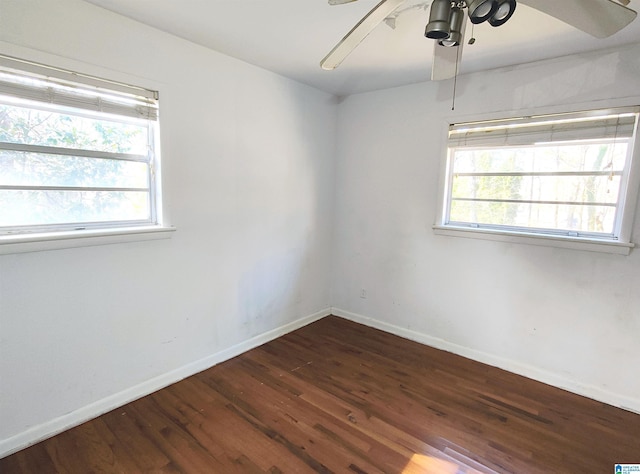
point(455, 79)
point(473, 37)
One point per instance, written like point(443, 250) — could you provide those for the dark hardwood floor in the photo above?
point(339, 397)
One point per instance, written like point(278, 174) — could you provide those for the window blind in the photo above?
point(49, 85)
point(618, 124)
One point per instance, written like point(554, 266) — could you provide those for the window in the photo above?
point(76, 152)
point(562, 176)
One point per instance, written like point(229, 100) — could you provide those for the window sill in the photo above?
point(23, 243)
point(575, 243)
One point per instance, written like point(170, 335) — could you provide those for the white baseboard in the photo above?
point(549, 378)
point(52, 427)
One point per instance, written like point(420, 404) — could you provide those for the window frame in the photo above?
point(18, 239)
point(627, 201)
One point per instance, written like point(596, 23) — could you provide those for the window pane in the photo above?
point(20, 208)
point(596, 219)
point(562, 174)
point(476, 176)
point(542, 158)
point(579, 189)
point(46, 128)
point(75, 153)
point(35, 169)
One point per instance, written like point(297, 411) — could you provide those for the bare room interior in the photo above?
point(352, 255)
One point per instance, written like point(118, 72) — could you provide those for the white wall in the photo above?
point(567, 317)
point(248, 182)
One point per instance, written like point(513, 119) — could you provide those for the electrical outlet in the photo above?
point(363, 293)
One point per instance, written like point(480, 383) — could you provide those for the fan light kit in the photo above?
point(446, 17)
point(447, 21)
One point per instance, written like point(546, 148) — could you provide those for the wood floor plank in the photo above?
point(32, 459)
point(89, 447)
point(138, 446)
point(340, 397)
point(237, 437)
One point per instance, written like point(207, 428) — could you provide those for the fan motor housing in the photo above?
point(439, 26)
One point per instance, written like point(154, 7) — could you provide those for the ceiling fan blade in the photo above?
point(359, 33)
point(340, 2)
point(444, 65)
point(599, 18)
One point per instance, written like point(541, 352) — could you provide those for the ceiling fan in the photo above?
point(447, 22)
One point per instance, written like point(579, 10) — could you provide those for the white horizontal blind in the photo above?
point(48, 85)
point(606, 124)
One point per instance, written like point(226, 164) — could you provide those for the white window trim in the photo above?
point(621, 247)
point(591, 245)
point(36, 242)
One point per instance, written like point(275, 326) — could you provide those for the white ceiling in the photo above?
point(290, 37)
